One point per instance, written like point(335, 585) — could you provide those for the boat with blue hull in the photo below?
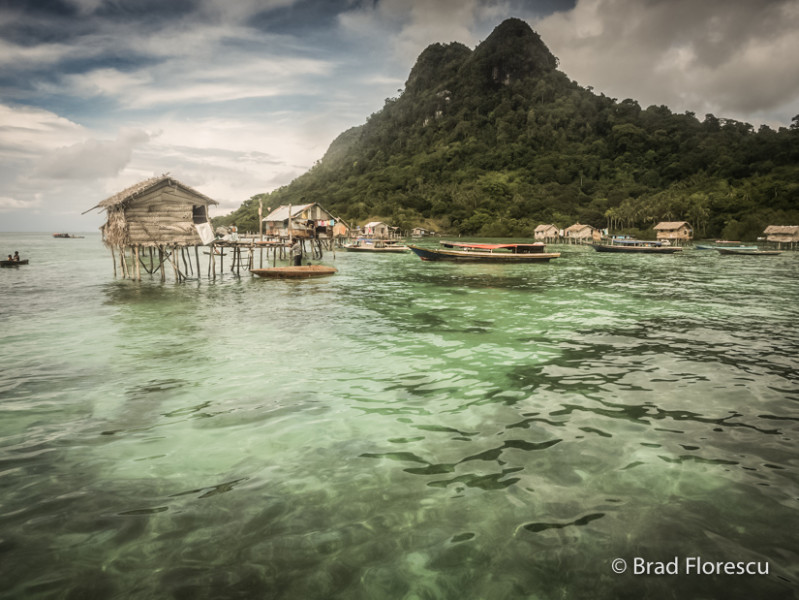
point(725, 244)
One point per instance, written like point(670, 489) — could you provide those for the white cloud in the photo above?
point(91, 159)
point(28, 131)
point(7, 203)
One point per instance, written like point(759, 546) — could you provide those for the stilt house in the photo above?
point(674, 230)
point(546, 233)
point(160, 211)
point(579, 233)
point(782, 234)
point(301, 221)
point(160, 214)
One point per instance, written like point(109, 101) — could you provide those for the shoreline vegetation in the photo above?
point(494, 141)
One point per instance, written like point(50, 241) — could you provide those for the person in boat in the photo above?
point(296, 252)
point(10, 258)
point(16, 256)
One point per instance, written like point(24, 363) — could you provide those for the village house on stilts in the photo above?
point(155, 223)
point(309, 223)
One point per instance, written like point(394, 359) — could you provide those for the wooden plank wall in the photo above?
point(163, 215)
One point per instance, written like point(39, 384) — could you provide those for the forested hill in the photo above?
point(495, 140)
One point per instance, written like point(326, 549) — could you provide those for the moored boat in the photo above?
point(747, 251)
point(302, 272)
point(724, 244)
point(637, 247)
point(378, 246)
point(487, 253)
point(66, 235)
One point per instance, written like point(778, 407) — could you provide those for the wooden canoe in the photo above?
point(303, 272)
point(748, 252)
point(13, 263)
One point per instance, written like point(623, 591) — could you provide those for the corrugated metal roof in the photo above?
point(281, 213)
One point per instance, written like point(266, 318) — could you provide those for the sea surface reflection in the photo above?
point(399, 430)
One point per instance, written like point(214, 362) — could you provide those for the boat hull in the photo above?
point(465, 256)
point(387, 250)
point(700, 247)
point(303, 272)
point(13, 263)
point(747, 252)
point(637, 249)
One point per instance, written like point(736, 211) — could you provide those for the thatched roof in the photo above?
point(579, 227)
point(671, 225)
point(544, 227)
point(782, 229)
point(142, 187)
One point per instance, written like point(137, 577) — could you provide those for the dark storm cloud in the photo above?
point(734, 58)
point(237, 97)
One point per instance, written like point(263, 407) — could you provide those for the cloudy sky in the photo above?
point(238, 97)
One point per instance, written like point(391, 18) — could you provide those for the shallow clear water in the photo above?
point(399, 430)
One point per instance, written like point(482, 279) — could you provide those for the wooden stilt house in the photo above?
point(783, 234)
point(300, 221)
point(159, 214)
point(546, 233)
point(582, 234)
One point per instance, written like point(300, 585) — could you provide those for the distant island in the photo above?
point(495, 141)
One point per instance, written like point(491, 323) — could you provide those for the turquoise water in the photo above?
point(399, 430)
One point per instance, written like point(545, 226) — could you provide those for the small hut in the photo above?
point(377, 230)
point(674, 230)
point(158, 213)
point(305, 221)
point(582, 234)
point(546, 233)
point(782, 234)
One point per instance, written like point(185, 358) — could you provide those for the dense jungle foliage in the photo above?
point(495, 141)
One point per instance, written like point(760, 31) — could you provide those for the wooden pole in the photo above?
point(212, 261)
point(197, 256)
point(124, 262)
point(186, 265)
point(261, 228)
point(114, 260)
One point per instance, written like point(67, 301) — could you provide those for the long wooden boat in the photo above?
point(303, 272)
point(744, 251)
point(67, 235)
point(13, 263)
point(485, 253)
point(637, 247)
point(377, 246)
point(724, 244)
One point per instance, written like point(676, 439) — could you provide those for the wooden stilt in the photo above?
point(114, 260)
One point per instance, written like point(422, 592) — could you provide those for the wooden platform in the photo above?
point(303, 272)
